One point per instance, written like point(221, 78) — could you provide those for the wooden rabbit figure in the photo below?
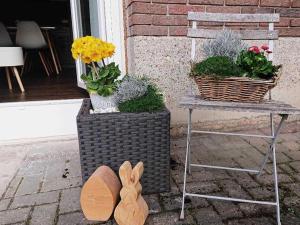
point(132, 209)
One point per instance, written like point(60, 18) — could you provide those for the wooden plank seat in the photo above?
point(267, 106)
point(233, 18)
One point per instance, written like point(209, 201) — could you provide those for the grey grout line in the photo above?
point(27, 222)
point(57, 209)
point(4, 193)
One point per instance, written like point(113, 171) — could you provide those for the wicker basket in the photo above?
point(112, 138)
point(235, 89)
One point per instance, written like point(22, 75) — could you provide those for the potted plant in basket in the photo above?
point(138, 129)
point(234, 72)
point(101, 81)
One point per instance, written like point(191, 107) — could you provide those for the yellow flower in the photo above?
point(90, 49)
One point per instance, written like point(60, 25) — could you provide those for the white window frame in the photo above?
point(77, 32)
point(111, 12)
point(110, 28)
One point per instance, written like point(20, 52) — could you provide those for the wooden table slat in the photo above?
point(275, 107)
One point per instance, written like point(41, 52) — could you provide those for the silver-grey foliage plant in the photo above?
point(130, 88)
point(227, 43)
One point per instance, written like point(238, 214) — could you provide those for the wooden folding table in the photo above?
point(269, 107)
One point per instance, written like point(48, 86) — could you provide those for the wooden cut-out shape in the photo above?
point(99, 194)
point(132, 209)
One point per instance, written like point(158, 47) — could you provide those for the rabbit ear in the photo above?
point(137, 172)
point(125, 172)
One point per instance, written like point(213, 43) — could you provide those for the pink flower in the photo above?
point(254, 49)
point(265, 47)
point(268, 51)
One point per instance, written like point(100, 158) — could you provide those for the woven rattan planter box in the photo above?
point(112, 138)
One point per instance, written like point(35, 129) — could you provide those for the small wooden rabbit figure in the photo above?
point(132, 209)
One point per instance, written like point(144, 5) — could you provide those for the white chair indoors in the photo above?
point(5, 40)
point(30, 37)
point(10, 57)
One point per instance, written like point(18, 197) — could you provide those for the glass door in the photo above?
point(80, 26)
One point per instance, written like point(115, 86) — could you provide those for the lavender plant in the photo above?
point(227, 43)
point(130, 88)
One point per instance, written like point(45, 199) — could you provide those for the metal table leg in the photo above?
point(276, 186)
point(273, 142)
point(272, 150)
point(189, 140)
point(284, 117)
point(187, 160)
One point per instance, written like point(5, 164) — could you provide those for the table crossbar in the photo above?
point(231, 199)
point(225, 168)
point(267, 106)
point(231, 134)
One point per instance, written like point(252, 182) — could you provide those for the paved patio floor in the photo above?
point(40, 183)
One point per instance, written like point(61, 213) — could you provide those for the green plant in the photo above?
point(150, 102)
point(255, 63)
point(131, 87)
point(102, 80)
point(227, 43)
point(218, 67)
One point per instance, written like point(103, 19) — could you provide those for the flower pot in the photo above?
point(112, 138)
point(103, 104)
point(235, 89)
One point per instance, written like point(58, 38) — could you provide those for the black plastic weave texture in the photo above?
point(112, 138)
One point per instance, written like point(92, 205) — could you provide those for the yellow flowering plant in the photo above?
point(91, 50)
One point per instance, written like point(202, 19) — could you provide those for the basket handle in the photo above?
point(276, 78)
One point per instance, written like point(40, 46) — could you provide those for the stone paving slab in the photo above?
point(227, 210)
point(10, 162)
point(12, 187)
point(207, 216)
point(4, 204)
point(14, 216)
point(295, 166)
point(169, 218)
point(72, 218)
point(252, 210)
point(41, 192)
point(69, 200)
point(29, 185)
point(44, 214)
point(153, 203)
point(252, 221)
point(61, 183)
point(35, 199)
point(233, 189)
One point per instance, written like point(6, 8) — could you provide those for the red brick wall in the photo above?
point(168, 17)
